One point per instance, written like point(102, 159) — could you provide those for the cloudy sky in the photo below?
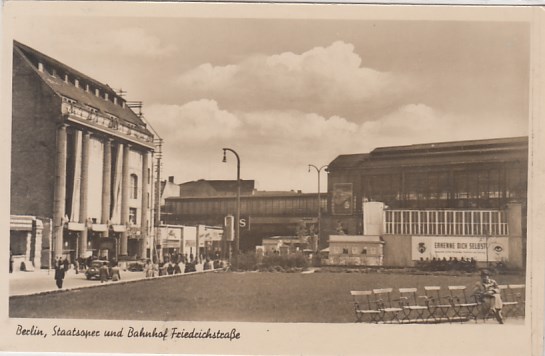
point(285, 93)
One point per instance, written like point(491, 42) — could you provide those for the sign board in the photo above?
point(189, 237)
point(480, 248)
point(229, 227)
point(207, 234)
point(341, 200)
point(170, 233)
point(244, 222)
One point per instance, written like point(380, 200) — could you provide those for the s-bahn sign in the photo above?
point(480, 248)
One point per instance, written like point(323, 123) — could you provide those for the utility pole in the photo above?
point(158, 156)
point(318, 170)
point(237, 217)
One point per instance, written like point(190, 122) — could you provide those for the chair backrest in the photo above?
point(382, 296)
point(362, 299)
point(517, 292)
point(408, 296)
point(458, 294)
point(433, 293)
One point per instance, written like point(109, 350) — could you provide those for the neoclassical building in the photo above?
point(81, 165)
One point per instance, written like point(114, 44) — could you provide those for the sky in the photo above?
point(286, 93)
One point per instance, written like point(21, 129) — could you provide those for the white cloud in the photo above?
point(276, 146)
point(196, 121)
point(207, 76)
point(319, 76)
point(420, 123)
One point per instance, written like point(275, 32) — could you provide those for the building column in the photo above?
point(517, 243)
point(28, 246)
point(123, 245)
point(106, 184)
point(38, 235)
point(145, 202)
point(84, 193)
point(59, 196)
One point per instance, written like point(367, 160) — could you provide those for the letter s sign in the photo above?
point(242, 223)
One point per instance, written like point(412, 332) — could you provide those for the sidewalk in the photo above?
point(41, 281)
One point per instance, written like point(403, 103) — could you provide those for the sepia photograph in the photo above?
point(272, 178)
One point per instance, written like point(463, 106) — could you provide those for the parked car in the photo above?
point(136, 266)
point(93, 271)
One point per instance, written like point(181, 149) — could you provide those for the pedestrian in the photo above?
point(66, 264)
point(76, 266)
point(104, 272)
point(59, 274)
point(488, 294)
point(116, 275)
point(177, 269)
point(148, 269)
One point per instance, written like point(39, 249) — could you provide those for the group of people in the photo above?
point(108, 270)
point(452, 264)
point(175, 266)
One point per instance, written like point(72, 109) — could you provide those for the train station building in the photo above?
point(439, 200)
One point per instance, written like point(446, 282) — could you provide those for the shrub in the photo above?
point(250, 261)
point(289, 261)
point(247, 261)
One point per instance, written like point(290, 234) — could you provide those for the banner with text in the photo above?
point(480, 248)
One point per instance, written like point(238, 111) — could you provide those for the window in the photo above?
point(345, 251)
point(134, 186)
point(132, 215)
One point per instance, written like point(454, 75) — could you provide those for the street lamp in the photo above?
point(237, 218)
point(318, 170)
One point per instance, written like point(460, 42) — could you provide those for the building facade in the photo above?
point(432, 195)
point(81, 160)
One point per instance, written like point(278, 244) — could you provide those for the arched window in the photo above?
point(134, 186)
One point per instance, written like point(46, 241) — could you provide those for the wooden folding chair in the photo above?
point(515, 300)
point(388, 313)
point(365, 307)
point(413, 312)
point(439, 310)
point(463, 309)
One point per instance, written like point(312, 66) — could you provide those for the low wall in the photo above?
point(397, 251)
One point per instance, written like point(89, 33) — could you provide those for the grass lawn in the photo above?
point(254, 297)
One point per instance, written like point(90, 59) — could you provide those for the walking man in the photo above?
point(59, 274)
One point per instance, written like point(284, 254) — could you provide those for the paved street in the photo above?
point(24, 283)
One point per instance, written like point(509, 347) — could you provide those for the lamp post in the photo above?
point(318, 170)
point(237, 218)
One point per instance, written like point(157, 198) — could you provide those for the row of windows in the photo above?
point(462, 188)
point(354, 250)
point(252, 206)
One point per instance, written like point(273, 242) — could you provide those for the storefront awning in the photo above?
point(74, 226)
point(99, 227)
point(21, 222)
point(119, 228)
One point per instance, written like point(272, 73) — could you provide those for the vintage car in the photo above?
point(136, 266)
point(93, 271)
